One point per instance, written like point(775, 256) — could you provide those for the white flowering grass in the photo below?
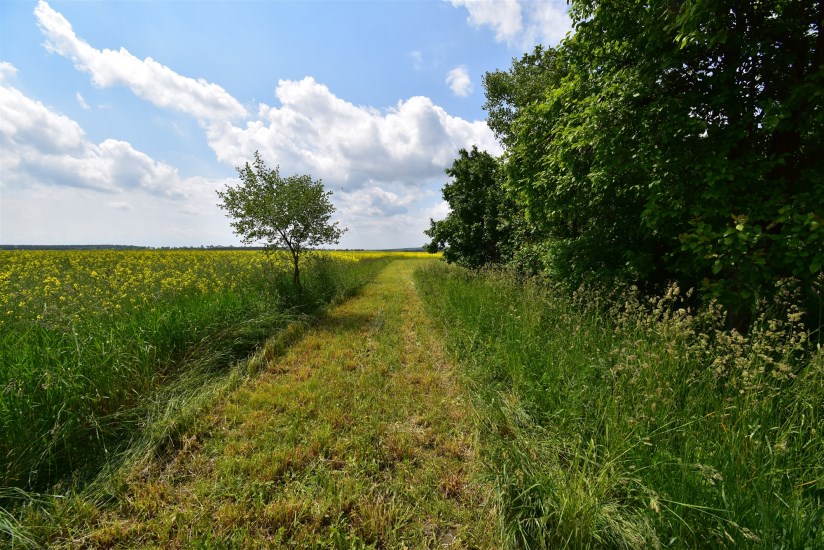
point(637, 422)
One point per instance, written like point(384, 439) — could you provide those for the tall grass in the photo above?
point(638, 423)
point(80, 381)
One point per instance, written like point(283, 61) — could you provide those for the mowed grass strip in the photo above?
point(359, 436)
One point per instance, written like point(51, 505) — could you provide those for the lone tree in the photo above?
point(283, 213)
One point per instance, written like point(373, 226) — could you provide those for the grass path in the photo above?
point(358, 436)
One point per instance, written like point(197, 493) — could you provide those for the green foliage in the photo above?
point(291, 213)
point(639, 424)
point(668, 141)
point(525, 83)
point(477, 230)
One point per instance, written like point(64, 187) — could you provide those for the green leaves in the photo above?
point(672, 141)
point(291, 213)
point(478, 230)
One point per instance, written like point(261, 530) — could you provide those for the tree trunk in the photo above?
point(296, 276)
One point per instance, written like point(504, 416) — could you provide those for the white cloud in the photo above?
point(25, 123)
point(504, 16)
point(373, 202)
point(7, 70)
point(548, 23)
point(524, 23)
point(384, 165)
point(41, 146)
point(349, 146)
point(438, 212)
point(383, 219)
point(82, 102)
point(46, 214)
point(313, 131)
point(459, 82)
point(119, 205)
point(59, 188)
point(147, 78)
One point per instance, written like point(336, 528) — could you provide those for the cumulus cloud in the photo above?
point(313, 131)
point(147, 78)
point(384, 165)
point(25, 124)
point(373, 202)
point(548, 23)
point(523, 23)
point(42, 146)
point(459, 82)
point(60, 188)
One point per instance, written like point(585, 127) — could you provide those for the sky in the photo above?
point(119, 120)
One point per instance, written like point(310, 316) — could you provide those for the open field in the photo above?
point(356, 435)
point(89, 340)
point(565, 422)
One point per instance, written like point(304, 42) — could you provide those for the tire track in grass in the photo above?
point(358, 436)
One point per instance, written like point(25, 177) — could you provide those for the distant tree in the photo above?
point(290, 213)
point(474, 233)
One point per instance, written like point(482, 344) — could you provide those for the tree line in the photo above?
point(659, 141)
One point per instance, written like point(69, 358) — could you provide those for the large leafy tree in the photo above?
point(676, 140)
point(475, 232)
point(291, 213)
point(526, 82)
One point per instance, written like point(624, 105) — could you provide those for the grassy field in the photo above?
point(639, 425)
point(357, 435)
point(95, 344)
point(212, 409)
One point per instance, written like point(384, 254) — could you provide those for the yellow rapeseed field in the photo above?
point(45, 285)
point(52, 287)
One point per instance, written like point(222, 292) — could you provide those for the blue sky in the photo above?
point(119, 120)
